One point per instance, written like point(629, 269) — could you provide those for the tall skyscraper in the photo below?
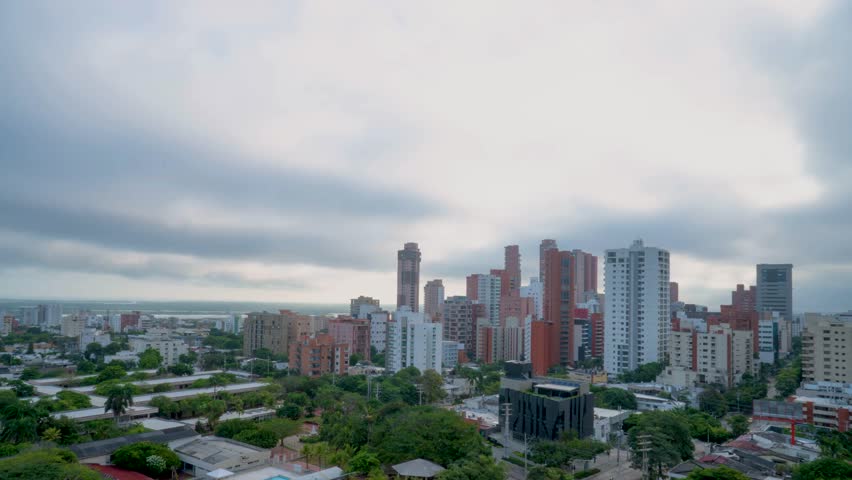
point(546, 244)
point(636, 313)
point(408, 277)
point(485, 290)
point(512, 267)
point(775, 289)
point(585, 276)
point(559, 302)
point(433, 299)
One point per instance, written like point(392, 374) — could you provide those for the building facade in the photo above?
point(318, 355)
point(379, 330)
point(775, 289)
point(170, 348)
point(433, 299)
point(353, 332)
point(536, 293)
point(412, 341)
point(355, 304)
point(273, 331)
point(636, 312)
point(458, 322)
point(826, 350)
point(408, 277)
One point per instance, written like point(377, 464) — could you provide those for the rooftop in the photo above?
point(215, 450)
point(106, 447)
point(418, 468)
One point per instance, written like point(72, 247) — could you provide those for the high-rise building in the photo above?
point(636, 313)
point(353, 332)
point(585, 275)
point(458, 321)
point(674, 292)
point(412, 341)
point(72, 326)
point(512, 267)
point(273, 331)
point(408, 277)
point(485, 290)
point(8, 325)
point(378, 330)
point(826, 349)
point(534, 291)
point(433, 299)
point(543, 248)
point(355, 304)
point(744, 301)
point(170, 347)
point(559, 303)
point(775, 289)
point(318, 355)
point(720, 355)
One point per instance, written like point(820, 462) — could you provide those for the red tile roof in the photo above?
point(116, 473)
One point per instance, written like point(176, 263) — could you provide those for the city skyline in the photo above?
point(132, 173)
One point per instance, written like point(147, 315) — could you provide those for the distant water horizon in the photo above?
point(174, 307)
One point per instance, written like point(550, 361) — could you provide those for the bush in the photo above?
point(258, 438)
point(46, 464)
point(586, 473)
point(135, 457)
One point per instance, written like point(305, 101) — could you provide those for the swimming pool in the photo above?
point(278, 477)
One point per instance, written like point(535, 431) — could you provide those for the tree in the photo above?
point(150, 358)
point(290, 410)
point(230, 428)
point(181, 369)
point(355, 358)
point(426, 432)
point(72, 400)
point(85, 367)
point(258, 438)
point(364, 462)
point(45, 464)
point(739, 425)
point(20, 423)
point(711, 401)
point(188, 358)
point(540, 472)
point(29, 373)
point(51, 434)
point(823, 469)
point(21, 389)
point(118, 399)
point(616, 399)
point(833, 444)
point(667, 435)
point(432, 384)
point(213, 410)
point(282, 428)
point(135, 457)
point(718, 473)
point(645, 373)
point(478, 468)
point(112, 372)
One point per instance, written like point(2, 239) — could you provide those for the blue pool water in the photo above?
point(278, 477)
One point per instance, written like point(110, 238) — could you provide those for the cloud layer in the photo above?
point(284, 153)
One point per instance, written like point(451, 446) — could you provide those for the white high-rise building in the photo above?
point(378, 329)
point(72, 326)
point(488, 294)
point(636, 312)
point(535, 291)
point(412, 341)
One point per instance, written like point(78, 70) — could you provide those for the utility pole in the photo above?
point(644, 443)
point(378, 390)
point(507, 410)
point(420, 393)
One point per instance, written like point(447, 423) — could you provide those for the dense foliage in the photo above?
point(645, 373)
point(667, 434)
point(614, 398)
point(563, 452)
point(479, 467)
point(136, 457)
point(823, 469)
point(45, 464)
point(718, 473)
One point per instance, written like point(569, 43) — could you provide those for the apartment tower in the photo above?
point(408, 277)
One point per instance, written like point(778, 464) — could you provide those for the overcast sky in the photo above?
point(284, 151)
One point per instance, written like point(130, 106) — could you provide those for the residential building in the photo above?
point(129, 321)
point(559, 304)
point(636, 313)
point(826, 413)
point(485, 290)
point(512, 267)
point(744, 301)
point(49, 316)
point(458, 322)
point(536, 293)
point(318, 355)
point(451, 351)
point(720, 356)
point(355, 305)
point(674, 292)
point(379, 330)
point(546, 245)
point(775, 289)
point(775, 335)
point(94, 336)
point(412, 341)
point(170, 348)
point(353, 332)
point(827, 350)
point(433, 299)
point(408, 277)
point(273, 331)
point(543, 408)
point(585, 275)
point(72, 326)
point(8, 325)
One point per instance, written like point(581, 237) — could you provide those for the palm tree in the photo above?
point(19, 423)
point(52, 434)
point(118, 399)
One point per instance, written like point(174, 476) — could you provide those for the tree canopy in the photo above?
point(137, 457)
point(823, 469)
point(666, 434)
point(45, 464)
point(718, 473)
point(615, 398)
